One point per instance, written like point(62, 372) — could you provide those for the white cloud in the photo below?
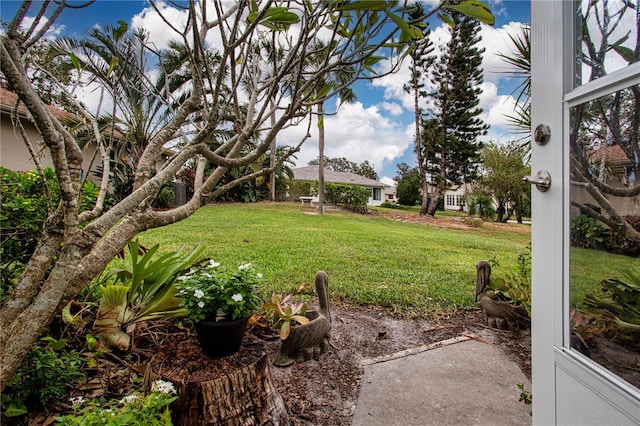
point(388, 181)
point(159, 33)
point(356, 133)
point(392, 107)
point(496, 41)
point(52, 33)
point(495, 107)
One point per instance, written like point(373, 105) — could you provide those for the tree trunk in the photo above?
point(272, 157)
point(320, 158)
point(233, 390)
point(435, 199)
point(425, 196)
point(500, 211)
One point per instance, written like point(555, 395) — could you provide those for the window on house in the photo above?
point(451, 200)
point(377, 194)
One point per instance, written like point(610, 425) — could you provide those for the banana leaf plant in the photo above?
point(144, 292)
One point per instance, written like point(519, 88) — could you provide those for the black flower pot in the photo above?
point(221, 338)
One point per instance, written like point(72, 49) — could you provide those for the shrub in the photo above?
point(587, 232)
point(299, 189)
point(165, 197)
point(353, 197)
point(388, 205)
point(48, 372)
point(482, 205)
point(25, 199)
point(24, 210)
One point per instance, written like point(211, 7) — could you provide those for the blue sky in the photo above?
point(378, 127)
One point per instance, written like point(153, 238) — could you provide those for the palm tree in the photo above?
point(520, 60)
point(336, 83)
point(421, 60)
point(119, 61)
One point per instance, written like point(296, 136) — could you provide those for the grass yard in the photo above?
point(409, 268)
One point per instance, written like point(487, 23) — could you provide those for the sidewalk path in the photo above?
point(460, 382)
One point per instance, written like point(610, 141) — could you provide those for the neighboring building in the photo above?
point(618, 171)
point(14, 154)
point(310, 174)
point(454, 199)
point(390, 194)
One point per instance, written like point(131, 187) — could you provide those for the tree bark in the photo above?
point(236, 390)
point(320, 158)
point(435, 199)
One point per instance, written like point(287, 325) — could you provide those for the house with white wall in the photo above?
point(310, 174)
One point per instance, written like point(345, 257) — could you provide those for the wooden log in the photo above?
point(237, 390)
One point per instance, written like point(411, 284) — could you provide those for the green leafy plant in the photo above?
point(351, 196)
point(133, 409)
point(213, 291)
point(48, 373)
point(587, 232)
point(620, 312)
point(25, 205)
point(515, 286)
point(387, 205)
point(145, 292)
point(165, 197)
point(280, 312)
point(525, 396)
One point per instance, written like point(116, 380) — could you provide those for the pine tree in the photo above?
point(450, 149)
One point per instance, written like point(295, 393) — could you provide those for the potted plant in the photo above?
point(219, 302)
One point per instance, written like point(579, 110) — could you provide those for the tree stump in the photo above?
point(234, 390)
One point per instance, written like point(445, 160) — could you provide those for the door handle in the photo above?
point(542, 181)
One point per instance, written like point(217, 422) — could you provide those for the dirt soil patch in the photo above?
point(325, 392)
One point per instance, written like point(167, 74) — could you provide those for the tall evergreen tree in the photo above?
point(449, 148)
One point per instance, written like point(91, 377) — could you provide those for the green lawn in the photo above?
point(409, 268)
point(406, 267)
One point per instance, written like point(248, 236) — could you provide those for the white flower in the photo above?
point(77, 401)
point(200, 304)
point(162, 386)
point(236, 297)
point(129, 398)
point(245, 266)
point(213, 264)
point(198, 294)
point(206, 274)
point(259, 275)
point(183, 278)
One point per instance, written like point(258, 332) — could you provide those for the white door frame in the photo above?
point(567, 387)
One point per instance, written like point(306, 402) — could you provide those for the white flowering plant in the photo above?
point(134, 408)
point(211, 291)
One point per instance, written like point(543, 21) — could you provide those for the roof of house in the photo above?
point(8, 101)
point(613, 154)
point(310, 173)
